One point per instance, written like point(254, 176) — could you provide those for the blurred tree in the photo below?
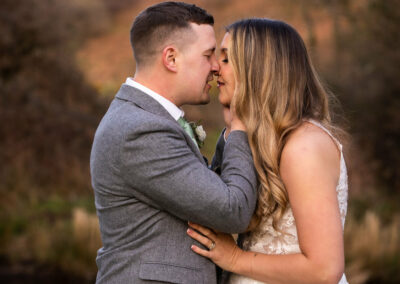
point(47, 110)
point(367, 71)
point(117, 5)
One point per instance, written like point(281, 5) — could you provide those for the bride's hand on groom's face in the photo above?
point(236, 123)
point(232, 122)
point(223, 253)
point(227, 119)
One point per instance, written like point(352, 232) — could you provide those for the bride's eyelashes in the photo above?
point(225, 60)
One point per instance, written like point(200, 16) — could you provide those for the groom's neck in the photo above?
point(159, 83)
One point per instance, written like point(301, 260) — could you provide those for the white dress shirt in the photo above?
point(172, 109)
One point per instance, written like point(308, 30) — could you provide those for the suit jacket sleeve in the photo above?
point(158, 165)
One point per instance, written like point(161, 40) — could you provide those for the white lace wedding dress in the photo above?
point(266, 240)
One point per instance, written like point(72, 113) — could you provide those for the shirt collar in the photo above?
point(172, 109)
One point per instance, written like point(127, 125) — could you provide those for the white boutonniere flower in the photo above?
point(199, 133)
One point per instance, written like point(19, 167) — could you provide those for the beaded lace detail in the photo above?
point(268, 241)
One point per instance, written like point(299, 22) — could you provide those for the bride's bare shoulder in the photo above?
point(309, 144)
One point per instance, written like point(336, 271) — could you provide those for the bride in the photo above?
point(296, 234)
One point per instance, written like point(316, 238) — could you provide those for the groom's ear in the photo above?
point(169, 55)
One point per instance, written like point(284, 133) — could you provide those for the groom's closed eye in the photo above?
point(209, 53)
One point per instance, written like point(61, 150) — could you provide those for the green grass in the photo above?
point(45, 232)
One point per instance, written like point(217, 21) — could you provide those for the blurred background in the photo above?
point(61, 63)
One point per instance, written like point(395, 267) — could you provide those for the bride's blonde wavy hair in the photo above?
point(276, 89)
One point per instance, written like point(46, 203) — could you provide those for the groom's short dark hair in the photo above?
point(153, 26)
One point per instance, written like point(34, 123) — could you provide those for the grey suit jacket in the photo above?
point(149, 179)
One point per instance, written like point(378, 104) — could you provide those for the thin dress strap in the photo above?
point(327, 131)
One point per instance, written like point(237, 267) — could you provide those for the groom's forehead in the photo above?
point(203, 31)
point(205, 36)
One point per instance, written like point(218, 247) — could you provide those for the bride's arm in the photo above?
point(310, 171)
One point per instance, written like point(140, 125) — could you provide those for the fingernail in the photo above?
point(189, 231)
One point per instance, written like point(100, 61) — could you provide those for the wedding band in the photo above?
point(212, 245)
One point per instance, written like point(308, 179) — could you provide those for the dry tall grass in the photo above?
point(86, 231)
point(371, 247)
point(68, 243)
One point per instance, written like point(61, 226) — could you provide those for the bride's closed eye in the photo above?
point(225, 60)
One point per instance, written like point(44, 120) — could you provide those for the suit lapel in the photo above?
point(149, 104)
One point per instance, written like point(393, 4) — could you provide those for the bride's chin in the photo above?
point(224, 101)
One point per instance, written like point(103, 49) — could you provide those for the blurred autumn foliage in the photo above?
point(367, 74)
point(61, 62)
point(48, 111)
point(49, 114)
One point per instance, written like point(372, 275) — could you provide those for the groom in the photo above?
point(148, 175)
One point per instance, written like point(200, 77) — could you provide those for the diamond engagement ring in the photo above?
point(212, 245)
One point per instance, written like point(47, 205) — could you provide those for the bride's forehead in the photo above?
point(225, 41)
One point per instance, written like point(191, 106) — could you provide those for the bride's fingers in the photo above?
point(200, 251)
point(227, 117)
point(205, 231)
point(200, 238)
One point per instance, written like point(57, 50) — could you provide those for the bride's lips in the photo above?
point(219, 84)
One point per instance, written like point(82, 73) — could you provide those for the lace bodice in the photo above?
point(268, 241)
